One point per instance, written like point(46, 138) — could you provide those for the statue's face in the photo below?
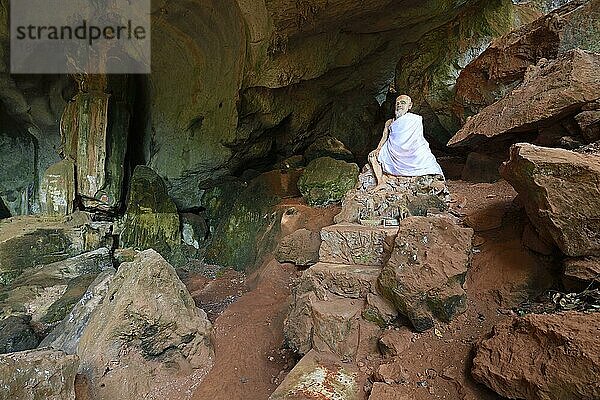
point(403, 104)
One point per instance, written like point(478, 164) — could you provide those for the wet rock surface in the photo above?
point(542, 357)
point(560, 193)
point(146, 338)
point(244, 220)
point(38, 374)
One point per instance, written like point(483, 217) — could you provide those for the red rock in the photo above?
point(549, 92)
point(355, 244)
point(395, 342)
point(391, 373)
point(427, 267)
point(542, 357)
point(532, 240)
point(504, 63)
point(589, 122)
point(560, 192)
point(383, 391)
point(319, 376)
point(300, 248)
point(581, 272)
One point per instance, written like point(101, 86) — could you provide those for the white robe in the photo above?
point(406, 152)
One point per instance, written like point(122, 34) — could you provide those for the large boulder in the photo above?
point(560, 192)
point(424, 275)
point(503, 65)
point(244, 222)
point(147, 336)
point(551, 91)
point(151, 220)
point(33, 240)
point(47, 293)
point(327, 180)
point(38, 374)
point(542, 357)
point(65, 336)
point(428, 67)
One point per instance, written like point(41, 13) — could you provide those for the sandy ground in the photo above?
point(248, 312)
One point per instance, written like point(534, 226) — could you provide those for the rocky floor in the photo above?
point(250, 356)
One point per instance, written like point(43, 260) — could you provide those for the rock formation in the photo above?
point(66, 335)
point(38, 374)
point(300, 247)
point(550, 91)
point(424, 275)
point(401, 197)
point(146, 338)
point(17, 334)
point(560, 193)
point(504, 64)
point(29, 241)
point(321, 375)
point(581, 273)
point(57, 194)
point(151, 219)
point(244, 221)
point(326, 180)
point(542, 357)
point(48, 292)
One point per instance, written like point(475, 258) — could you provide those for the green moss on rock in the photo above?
point(247, 223)
point(326, 181)
point(151, 220)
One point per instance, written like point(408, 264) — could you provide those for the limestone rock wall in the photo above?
point(237, 83)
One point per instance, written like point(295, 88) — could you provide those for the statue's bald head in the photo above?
point(403, 104)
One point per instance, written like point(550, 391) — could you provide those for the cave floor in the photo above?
point(251, 359)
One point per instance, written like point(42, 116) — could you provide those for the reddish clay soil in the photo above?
point(248, 313)
point(251, 359)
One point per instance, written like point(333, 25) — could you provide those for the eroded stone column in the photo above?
point(84, 128)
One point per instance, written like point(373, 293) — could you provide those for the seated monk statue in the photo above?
point(402, 150)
